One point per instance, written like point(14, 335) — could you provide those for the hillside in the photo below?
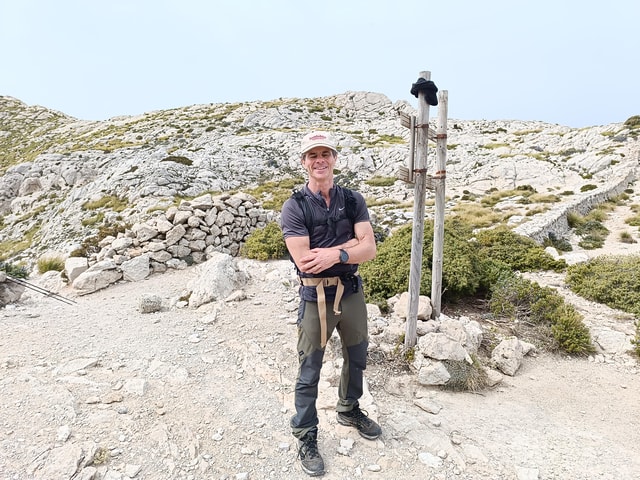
point(52, 164)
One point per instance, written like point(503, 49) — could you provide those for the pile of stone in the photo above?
point(188, 234)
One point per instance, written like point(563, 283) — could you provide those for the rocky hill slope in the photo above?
point(51, 164)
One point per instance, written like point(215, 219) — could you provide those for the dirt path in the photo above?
point(208, 394)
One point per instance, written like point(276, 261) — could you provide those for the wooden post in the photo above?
point(439, 187)
point(420, 175)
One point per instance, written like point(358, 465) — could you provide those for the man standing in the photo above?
point(328, 233)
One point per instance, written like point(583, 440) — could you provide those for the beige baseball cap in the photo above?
point(318, 139)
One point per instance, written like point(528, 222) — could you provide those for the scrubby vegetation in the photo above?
point(265, 243)
point(110, 201)
point(632, 122)
point(636, 341)
point(273, 194)
point(465, 377)
point(90, 244)
point(611, 280)
point(14, 270)
point(540, 314)
point(484, 266)
point(388, 274)
point(589, 228)
point(50, 263)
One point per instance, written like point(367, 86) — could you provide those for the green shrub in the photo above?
point(517, 251)
point(571, 333)
point(468, 267)
point(592, 232)
point(381, 181)
point(626, 237)
point(559, 243)
point(47, 264)
point(611, 280)
point(110, 201)
point(388, 273)
point(265, 243)
point(14, 270)
point(632, 122)
point(541, 312)
point(636, 340)
point(591, 241)
point(587, 187)
point(273, 194)
point(178, 159)
point(574, 219)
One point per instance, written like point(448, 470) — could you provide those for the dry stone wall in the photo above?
point(555, 221)
point(188, 234)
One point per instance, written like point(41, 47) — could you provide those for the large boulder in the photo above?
point(215, 279)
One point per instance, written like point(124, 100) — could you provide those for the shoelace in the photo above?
point(360, 414)
point(310, 448)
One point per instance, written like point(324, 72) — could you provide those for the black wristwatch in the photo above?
point(344, 256)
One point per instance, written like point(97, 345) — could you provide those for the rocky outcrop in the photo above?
point(9, 291)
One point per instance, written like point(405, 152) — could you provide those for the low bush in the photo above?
point(626, 237)
point(110, 201)
point(14, 270)
point(469, 267)
point(265, 243)
point(590, 229)
point(636, 340)
point(47, 264)
point(540, 315)
point(611, 280)
point(381, 181)
point(517, 251)
point(388, 273)
point(465, 377)
point(559, 243)
point(632, 122)
point(273, 194)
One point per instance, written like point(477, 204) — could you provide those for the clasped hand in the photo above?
point(318, 260)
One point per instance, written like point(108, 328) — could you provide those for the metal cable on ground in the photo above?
point(41, 290)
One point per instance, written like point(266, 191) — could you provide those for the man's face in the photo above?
point(319, 162)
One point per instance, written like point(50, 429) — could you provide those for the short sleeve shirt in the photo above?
point(331, 225)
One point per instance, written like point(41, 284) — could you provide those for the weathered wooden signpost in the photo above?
point(416, 172)
point(438, 181)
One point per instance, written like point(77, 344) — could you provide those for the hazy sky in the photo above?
point(571, 62)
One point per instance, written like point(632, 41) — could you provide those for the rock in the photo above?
point(214, 280)
point(136, 269)
point(401, 306)
point(98, 276)
point(74, 266)
point(149, 303)
point(507, 356)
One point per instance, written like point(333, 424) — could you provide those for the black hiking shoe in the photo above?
point(359, 419)
point(310, 459)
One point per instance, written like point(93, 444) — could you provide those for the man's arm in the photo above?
point(316, 260)
point(298, 248)
point(365, 249)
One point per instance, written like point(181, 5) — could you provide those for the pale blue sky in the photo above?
point(571, 62)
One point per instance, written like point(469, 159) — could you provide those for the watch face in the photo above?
point(344, 256)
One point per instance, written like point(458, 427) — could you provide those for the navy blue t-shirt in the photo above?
point(331, 226)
